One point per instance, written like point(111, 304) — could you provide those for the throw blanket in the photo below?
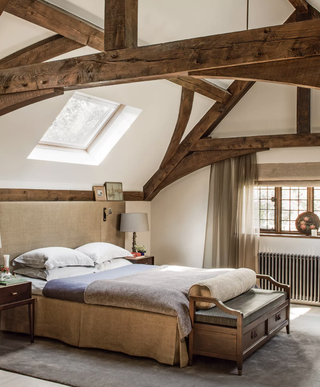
point(163, 290)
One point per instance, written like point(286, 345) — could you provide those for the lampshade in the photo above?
point(134, 222)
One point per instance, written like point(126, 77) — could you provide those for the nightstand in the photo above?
point(143, 259)
point(15, 295)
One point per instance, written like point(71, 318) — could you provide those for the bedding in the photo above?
point(73, 289)
point(100, 252)
point(51, 257)
point(162, 290)
point(56, 273)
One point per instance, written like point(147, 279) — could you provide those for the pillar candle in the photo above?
point(6, 260)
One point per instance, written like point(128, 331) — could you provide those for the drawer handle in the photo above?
point(254, 334)
point(277, 316)
point(14, 293)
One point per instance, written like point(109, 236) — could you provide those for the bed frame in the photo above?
point(29, 225)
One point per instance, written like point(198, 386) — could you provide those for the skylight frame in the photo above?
point(96, 130)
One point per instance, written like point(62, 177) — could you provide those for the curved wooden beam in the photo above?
point(302, 73)
point(182, 122)
point(300, 5)
point(197, 161)
point(206, 125)
point(203, 87)
point(58, 20)
point(39, 52)
point(11, 102)
point(3, 4)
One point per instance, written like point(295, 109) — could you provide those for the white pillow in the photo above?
point(112, 264)
point(51, 257)
point(100, 252)
point(56, 273)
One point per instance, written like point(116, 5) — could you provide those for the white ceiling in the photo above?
point(266, 109)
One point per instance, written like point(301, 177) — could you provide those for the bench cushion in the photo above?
point(253, 304)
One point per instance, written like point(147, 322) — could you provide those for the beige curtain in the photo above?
point(232, 233)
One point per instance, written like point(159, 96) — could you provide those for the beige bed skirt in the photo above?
point(133, 332)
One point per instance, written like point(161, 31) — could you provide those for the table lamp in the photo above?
point(133, 222)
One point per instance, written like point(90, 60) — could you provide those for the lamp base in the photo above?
point(134, 242)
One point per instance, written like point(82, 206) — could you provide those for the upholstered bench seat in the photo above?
point(253, 304)
point(236, 327)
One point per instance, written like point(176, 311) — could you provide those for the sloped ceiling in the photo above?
point(267, 109)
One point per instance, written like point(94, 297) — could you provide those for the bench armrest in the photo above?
point(218, 303)
point(276, 283)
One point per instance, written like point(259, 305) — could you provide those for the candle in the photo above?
point(6, 260)
point(314, 233)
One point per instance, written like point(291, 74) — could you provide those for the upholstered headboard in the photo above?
point(25, 226)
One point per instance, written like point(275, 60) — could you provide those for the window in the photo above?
point(85, 131)
point(280, 206)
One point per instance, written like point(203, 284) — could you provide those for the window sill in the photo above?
point(289, 236)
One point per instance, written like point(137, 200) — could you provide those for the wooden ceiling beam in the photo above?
point(303, 111)
point(289, 41)
point(257, 142)
point(203, 87)
point(58, 20)
point(39, 52)
point(185, 110)
point(120, 24)
point(300, 5)
point(200, 160)
point(3, 4)
point(207, 124)
point(301, 73)
point(11, 102)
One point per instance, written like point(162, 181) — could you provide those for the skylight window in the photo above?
point(79, 122)
point(85, 131)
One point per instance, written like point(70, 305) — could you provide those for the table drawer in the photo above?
point(14, 293)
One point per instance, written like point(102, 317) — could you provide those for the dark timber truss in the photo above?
point(287, 54)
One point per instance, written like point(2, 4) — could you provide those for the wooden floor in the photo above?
point(9, 379)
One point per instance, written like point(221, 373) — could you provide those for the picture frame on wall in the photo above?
point(114, 191)
point(99, 193)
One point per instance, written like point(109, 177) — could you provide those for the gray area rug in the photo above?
point(287, 361)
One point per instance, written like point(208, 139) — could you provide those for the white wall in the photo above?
point(179, 221)
point(306, 246)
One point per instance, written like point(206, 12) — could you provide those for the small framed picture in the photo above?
point(99, 193)
point(114, 192)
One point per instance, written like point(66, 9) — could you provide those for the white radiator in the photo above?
point(301, 272)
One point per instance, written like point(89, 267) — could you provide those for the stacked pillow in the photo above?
point(59, 262)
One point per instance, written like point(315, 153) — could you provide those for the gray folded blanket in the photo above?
point(163, 290)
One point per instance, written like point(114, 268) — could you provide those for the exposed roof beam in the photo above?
point(254, 46)
point(303, 73)
point(3, 4)
point(121, 24)
point(207, 124)
point(11, 102)
point(185, 110)
point(303, 110)
point(203, 87)
point(300, 5)
point(257, 142)
point(39, 52)
point(200, 160)
point(58, 20)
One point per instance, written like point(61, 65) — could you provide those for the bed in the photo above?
point(26, 226)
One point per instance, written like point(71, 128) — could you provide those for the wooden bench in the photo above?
point(235, 329)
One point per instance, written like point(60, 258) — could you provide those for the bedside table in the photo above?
point(15, 295)
point(143, 259)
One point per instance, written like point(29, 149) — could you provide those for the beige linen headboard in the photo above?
point(25, 226)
